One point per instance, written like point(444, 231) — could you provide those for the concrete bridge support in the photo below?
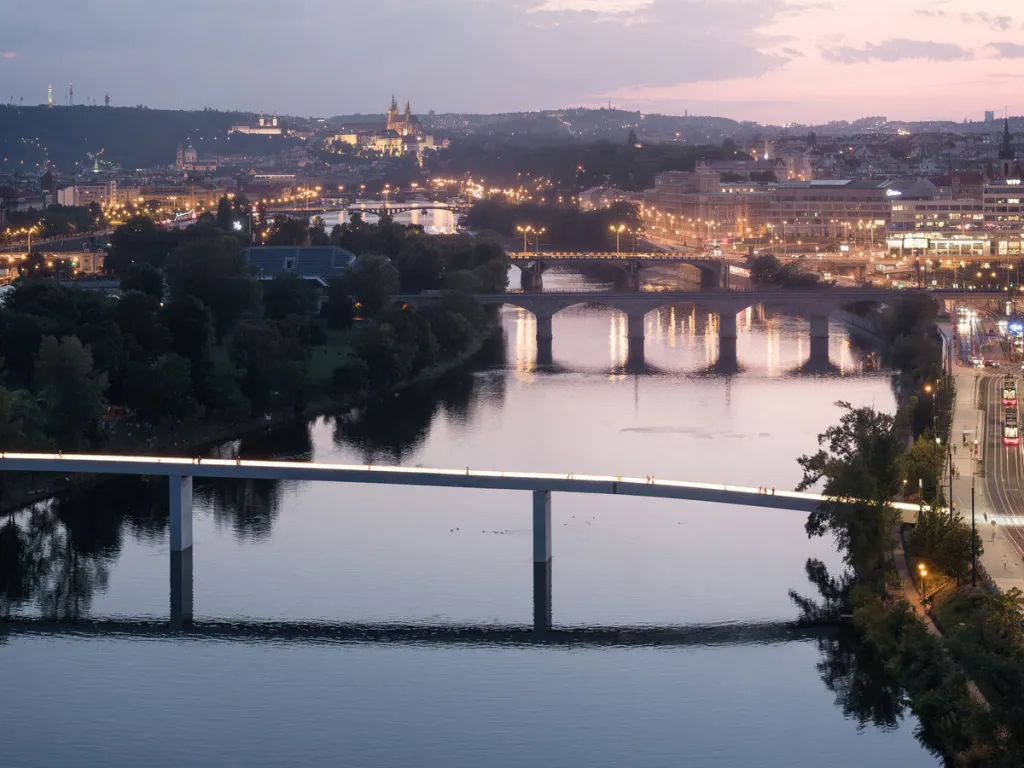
point(181, 589)
point(727, 363)
point(544, 337)
point(541, 560)
point(180, 498)
point(530, 277)
point(819, 342)
point(635, 335)
point(181, 512)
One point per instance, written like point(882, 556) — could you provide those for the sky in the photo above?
point(773, 61)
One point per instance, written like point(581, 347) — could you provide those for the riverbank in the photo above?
point(196, 438)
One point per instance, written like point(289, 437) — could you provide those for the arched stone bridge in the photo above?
point(815, 305)
point(713, 271)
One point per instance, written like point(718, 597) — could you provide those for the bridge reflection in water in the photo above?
point(725, 634)
point(678, 326)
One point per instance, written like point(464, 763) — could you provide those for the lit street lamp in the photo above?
point(618, 232)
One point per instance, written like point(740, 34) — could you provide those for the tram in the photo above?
point(1011, 430)
point(1009, 390)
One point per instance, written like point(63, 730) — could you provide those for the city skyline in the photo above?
point(772, 61)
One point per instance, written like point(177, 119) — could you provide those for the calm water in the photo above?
point(374, 556)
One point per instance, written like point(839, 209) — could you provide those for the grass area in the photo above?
point(325, 359)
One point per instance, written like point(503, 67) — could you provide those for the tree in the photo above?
point(944, 543)
point(339, 310)
point(288, 294)
point(146, 278)
point(923, 463)
point(138, 316)
point(225, 214)
point(387, 360)
point(861, 467)
point(632, 141)
point(162, 390)
point(21, 422)
point(221, 390)
point(373, 280)
point(190, 326)
point(289, 232)
point(72, 389)
point(420, 267)
point(210, 265)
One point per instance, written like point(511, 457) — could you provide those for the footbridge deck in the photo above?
point(181, 471)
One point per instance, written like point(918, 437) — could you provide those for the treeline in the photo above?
point(134, 137)
point(894, 663)
point(565, 228)
point(223, 345)
point(568, 164)
point(767, 270)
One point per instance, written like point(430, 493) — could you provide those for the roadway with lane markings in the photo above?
point(1003, 464)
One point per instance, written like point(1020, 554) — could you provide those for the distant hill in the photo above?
point(134, 137)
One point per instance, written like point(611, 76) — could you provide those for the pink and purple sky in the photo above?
point(765, 60)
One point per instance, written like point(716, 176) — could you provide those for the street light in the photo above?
point(526, 231)
point(618, 230)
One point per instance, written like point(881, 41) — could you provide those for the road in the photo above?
point(1003, 464)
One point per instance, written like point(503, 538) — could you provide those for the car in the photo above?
point(991, 364)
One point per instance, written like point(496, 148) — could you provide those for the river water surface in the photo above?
point(321, 555)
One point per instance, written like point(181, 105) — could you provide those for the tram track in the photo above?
point(1003, 465)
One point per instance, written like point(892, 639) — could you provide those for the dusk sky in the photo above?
point(765, 60)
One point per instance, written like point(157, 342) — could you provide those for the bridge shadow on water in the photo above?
point(508, 635)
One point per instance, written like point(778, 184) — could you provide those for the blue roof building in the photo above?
point(310, 262)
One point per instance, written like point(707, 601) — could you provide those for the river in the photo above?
point(317, 555)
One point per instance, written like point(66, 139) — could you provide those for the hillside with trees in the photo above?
point(133, 137)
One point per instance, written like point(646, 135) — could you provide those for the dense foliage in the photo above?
point(565, 228)
point(559, 163)
point(133, 137)
point(195, 336)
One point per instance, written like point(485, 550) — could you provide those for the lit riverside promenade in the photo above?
point(180, 472)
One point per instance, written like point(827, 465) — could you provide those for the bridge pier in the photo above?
point(635, 335)
point(819, 342)
point(181, 589)
point(544, 337)
point(181, 512)
point(531, 279)
point(541, 560)
point(726, 325)
point(727, 362)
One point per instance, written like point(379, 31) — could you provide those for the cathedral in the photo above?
point(403, 125)
point(1009, 165)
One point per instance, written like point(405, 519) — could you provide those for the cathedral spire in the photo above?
point(1006, 151)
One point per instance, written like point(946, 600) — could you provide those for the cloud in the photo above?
point(1007, 50)
point(998, 23)
point(929, 13)
point(898, 49)
point(793, 53)
point(8, 54)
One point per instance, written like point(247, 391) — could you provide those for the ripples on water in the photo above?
point(365, 625)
